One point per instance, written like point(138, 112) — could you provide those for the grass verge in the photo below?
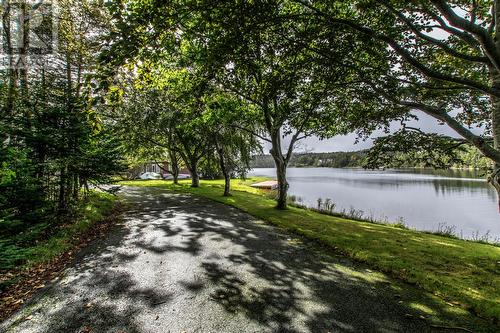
point(29, 261)
point(463, 273)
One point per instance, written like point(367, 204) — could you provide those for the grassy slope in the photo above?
point(29, 259)
point(95, 209)
point(458, 271)
point(99, 206)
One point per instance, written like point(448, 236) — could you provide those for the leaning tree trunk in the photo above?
point(495, 107)
point(495, 124)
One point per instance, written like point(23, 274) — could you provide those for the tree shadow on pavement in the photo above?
point(217, 267)
point(289, 284)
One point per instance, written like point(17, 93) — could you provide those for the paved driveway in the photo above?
point(183, 264)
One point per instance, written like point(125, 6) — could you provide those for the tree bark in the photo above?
point(224, 169)
point(23, 58)
point(6, 21)
point(76, 187)
point(175, 173)
point(281, 164)
point(227, 185)
point(61, 206)
point(195, 177)
point(85, 187)
point(175, 167)
point(494, 179)
point(282, 183)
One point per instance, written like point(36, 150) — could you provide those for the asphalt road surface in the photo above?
point(178, 263)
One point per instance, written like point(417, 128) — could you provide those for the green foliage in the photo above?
point(53, 143)
point(410, 148)
point(172, 111)
point(20, 192)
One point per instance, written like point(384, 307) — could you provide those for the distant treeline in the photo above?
point(327, 160)
point(469, 158)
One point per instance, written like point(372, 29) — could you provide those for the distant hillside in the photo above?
point(470, 158)
point(328, 160)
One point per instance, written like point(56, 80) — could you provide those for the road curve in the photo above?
point(179, 263)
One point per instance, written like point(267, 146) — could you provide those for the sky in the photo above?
point(347, 142)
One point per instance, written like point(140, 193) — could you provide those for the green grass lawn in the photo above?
point(461, 272)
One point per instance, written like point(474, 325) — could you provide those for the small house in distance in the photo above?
point(155, 170)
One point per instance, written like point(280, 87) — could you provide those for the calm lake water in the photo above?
point(425, 199)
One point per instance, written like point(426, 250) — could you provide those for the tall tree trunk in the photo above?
point(175, 167)
point(224, 169)
point(274, 131)
point(61, 205)
point(191, 163)
point(86, 189)
point(281, 164)
point(76, 187)
point(227, 185)
point(195, 177)
point(495, 106)
point(175, 174)
point(282, 182)
point(23, 52)
point(495, 124)
point(6, 22)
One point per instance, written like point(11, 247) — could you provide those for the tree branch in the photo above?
point(482, 35)
point(442, 45)
point(405, 54)
point(443, 116)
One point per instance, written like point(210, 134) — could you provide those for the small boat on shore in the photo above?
point(267, 185)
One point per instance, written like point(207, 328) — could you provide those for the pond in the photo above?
point(423, 199)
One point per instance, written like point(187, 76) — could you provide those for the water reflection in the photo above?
point(424, 198)
point(448, 187)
